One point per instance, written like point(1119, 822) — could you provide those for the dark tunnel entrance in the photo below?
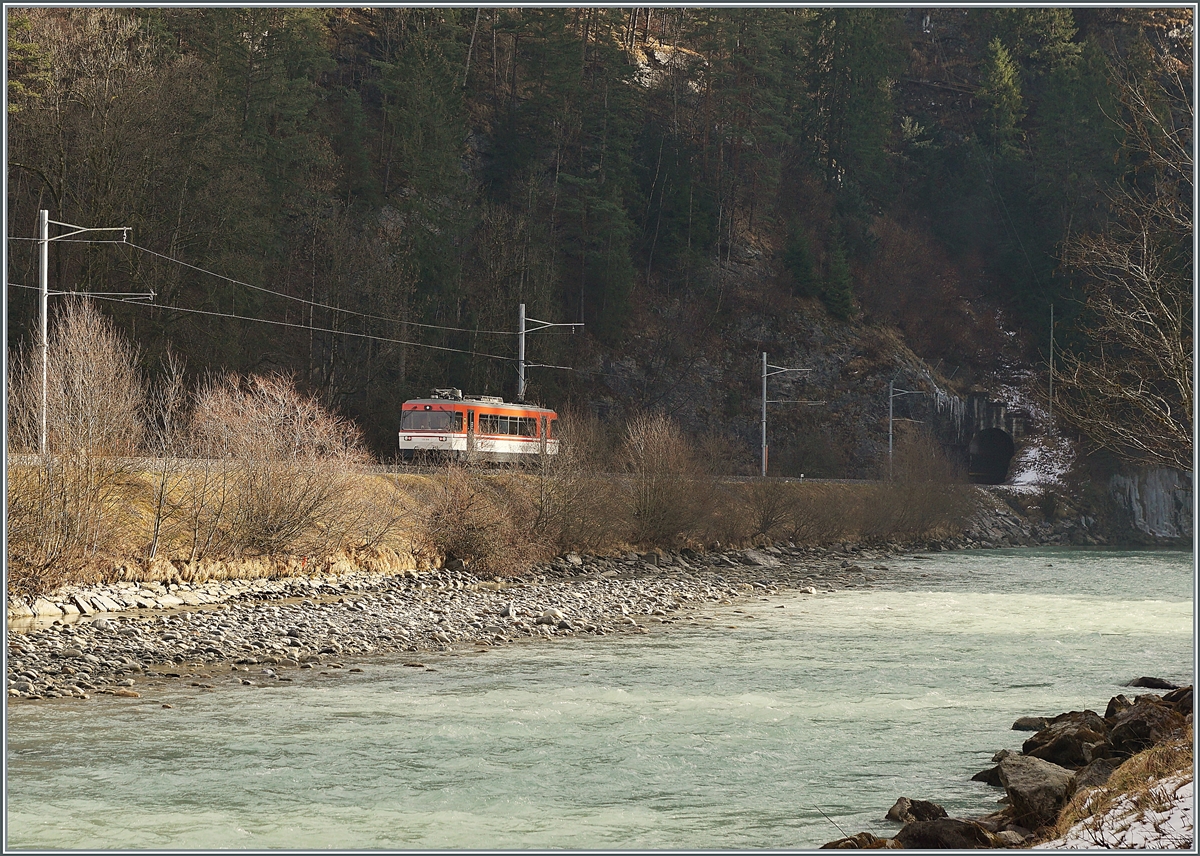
point(990, 453)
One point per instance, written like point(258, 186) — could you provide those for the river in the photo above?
point(766, 724)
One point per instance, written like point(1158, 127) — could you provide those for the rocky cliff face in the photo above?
point(699, 360)
point(1155, 502)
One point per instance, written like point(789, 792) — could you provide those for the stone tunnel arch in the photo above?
point(990, 453)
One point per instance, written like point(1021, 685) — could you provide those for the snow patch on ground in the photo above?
point(1166, 826)
point(1016, 393)
point(1047, 457)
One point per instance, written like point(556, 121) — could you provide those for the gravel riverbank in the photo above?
point(257, 631)
point(111, 639)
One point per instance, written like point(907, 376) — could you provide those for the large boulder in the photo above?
point(946, 833)
point(1030, 723)
point(43, 608)
point(862, 841)
point(990, 776)
point(1116, 704)
point(1180, 699)
point(1152, 684)
point(1036, 789)
point(907, 811)
point(1094, 774)
point(1069, 740)
point(1148, 721)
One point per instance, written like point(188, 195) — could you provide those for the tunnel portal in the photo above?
point(990, 453)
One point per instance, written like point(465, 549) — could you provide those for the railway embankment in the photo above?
point(162, 584)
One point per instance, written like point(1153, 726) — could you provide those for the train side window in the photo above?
point(553, 428)
point(528, 426)
point(458, 421)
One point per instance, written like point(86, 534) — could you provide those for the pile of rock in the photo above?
point(148, 632)
point(1068, 752)
point(1001, 526)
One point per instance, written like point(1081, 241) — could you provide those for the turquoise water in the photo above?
point(703, 736)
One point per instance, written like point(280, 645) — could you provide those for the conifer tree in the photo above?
point(1000, 91)
point(838, 294)
point(798, 261)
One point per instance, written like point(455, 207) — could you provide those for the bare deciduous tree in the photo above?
point(165, 442)
point(1131, 392)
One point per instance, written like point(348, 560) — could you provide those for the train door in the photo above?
point(470, 433)
point(543, 435)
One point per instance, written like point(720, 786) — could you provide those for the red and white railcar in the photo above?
point(479, 427)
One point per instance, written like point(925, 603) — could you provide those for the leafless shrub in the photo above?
point(200, 507)
point(165, 413)
point(820, 514)
point(669, 493)
point(384, 515)
point(724, 515)
point(291, 484)
point(71, 506)
point(721, 456)
point(65, 512)
point(573, 504)
point(481, 519)
point(94, 394)
point(771, 504)
point(926, 496)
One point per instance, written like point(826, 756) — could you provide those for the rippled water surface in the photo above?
point(734, 732)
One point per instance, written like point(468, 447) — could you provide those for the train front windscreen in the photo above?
point(430, 420)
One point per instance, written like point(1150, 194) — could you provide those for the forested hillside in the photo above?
point(688, 183)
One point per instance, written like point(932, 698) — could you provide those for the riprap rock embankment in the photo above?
point(257, 630)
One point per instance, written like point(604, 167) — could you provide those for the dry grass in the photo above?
point(379, 526)
point(498, 521)
point(1131, 787)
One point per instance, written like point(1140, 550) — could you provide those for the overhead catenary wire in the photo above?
point(306, 302)
point(315, 303)
point(232, 316)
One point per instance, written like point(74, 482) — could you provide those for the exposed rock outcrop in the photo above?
point(1156, 502)
point(1088, 748)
